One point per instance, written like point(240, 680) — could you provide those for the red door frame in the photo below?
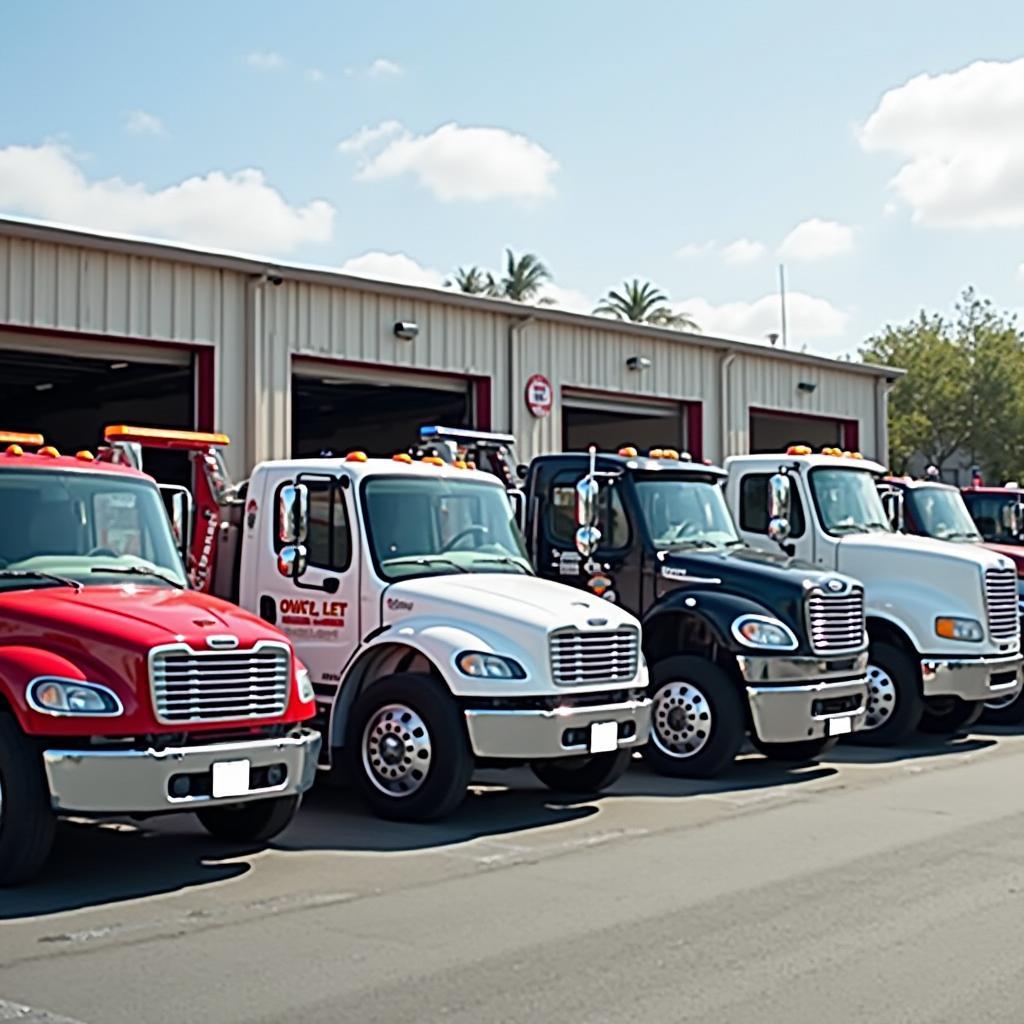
point(849, 429)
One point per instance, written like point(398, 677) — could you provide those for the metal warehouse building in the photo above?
point(288, 360)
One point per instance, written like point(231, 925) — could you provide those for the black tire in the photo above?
point(587, 774)
point(431, 721)
point(256, 822)
point(894, 697)
point(27, 824)
point(798, 752)
point(944, 716)
point(698, 723)
point(999, 713)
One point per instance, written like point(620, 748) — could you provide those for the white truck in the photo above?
point(942, 618)
point(405, 588)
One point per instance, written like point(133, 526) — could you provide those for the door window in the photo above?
point(611, 516)
point(754, 505)
point(329, 538)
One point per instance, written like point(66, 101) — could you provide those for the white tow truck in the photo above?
point(942, 618)
point(433, 648)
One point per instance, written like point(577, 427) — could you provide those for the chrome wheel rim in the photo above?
point(881, 698)
point(396, 750)
point(682, 720)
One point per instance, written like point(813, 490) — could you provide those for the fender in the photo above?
point(20, 665)
point(908, 607)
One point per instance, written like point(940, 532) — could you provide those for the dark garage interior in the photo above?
point(776, 432)
point(611, 430)
point(339, 416)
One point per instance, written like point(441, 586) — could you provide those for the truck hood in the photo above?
point(502, 600)
point(743, 567)
point(130, 616)
point(897, 553)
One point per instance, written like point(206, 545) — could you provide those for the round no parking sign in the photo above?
point(539, 395)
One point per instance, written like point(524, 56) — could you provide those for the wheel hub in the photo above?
point(682, 720)
point(881, 698)
point(396, 750)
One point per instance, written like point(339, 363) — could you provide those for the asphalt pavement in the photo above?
point(881, 886)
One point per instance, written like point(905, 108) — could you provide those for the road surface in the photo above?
point(876, 886)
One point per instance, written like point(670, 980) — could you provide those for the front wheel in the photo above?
point(256, 822)
point(27, 824)
point(895, 705)
point(1004, 711)
point(946, 715)
point(698, 724)
point(406, 749)
point(799, 751)
point(586, 774)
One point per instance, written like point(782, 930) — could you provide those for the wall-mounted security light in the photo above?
point(638, 363)
point(806, 385)
point(406, 330)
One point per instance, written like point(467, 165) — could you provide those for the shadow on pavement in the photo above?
point(920, 746)
point(95, 863)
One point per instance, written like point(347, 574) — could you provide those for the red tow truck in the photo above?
point(123, 691)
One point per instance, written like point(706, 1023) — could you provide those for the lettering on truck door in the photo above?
point(324, 626)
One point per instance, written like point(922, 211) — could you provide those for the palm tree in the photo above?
point(472, 280)
point(524, 277)
point(643, 303)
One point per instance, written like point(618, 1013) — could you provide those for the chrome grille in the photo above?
point(1001, 603)
point(213, 686)
point(608, 656)
point(836, 621)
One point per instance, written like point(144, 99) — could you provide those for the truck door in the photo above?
point(612, 571)
point(752, 516)
point(320, 609)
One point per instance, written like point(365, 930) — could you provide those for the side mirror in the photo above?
point(779, 500)
point(587, 540)
point(587, 492)
point(293, 514)
point(1010, 516)
point(517, 499)
point(291, 561)
point(180, 507)
point(892, 502)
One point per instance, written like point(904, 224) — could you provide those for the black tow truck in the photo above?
point(739, 642)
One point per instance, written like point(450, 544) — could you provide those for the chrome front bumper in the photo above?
point(977, 679)
point(796, 698)
point(142, 781)
point(527, 735)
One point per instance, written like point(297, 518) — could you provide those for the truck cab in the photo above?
point(433, 647)
point(122, 690)
point(942, 617)
point(998, 515)
point(739, 642)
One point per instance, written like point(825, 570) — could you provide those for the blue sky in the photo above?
point(644, 140)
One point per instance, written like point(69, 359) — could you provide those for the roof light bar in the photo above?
point(157, 437)
point(32, 440)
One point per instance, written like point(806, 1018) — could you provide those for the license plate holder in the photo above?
point(839, 726)
point(230, 778)
point(604, 737)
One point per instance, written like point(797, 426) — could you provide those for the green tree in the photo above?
point(523, 279)
point(643, 303)
point(472, 280)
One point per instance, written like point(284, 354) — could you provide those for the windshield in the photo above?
point(685, 513)
point(83, 528)
point(848, 502)
point(941, 513)
point(991, 513)
point(423, 527)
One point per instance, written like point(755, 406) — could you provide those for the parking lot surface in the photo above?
point(874, 886)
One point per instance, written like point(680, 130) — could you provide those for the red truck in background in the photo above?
point(122, 690)
point(997, 514)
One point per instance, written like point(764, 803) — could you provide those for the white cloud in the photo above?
point(382, 67)
point(569, 299)
point(265, 60)
point(1020, 271)
point(393, 266)
point(456, 162)
point(138, 122)
point(809, 319)
point(959, 136)
point(237, 210)
point(315, 75)
point(743, 250)
point(816, 239)
point(692, 249)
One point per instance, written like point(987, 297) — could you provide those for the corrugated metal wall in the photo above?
point(64, 287)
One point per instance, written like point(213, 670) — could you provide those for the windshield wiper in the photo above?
point(138, 570)
point(503, 560)
point(849, 528)
point(693, 542)
point(431, 560)
point(35, 574)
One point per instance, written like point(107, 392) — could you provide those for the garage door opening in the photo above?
point(775, 432)
point(70, 399)
point(610, 425)
point(334, 417)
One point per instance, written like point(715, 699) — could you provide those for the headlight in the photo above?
point(761, 631)
point(959, 629)
point(489, 666)
point(304, 684)
point(72, 697)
